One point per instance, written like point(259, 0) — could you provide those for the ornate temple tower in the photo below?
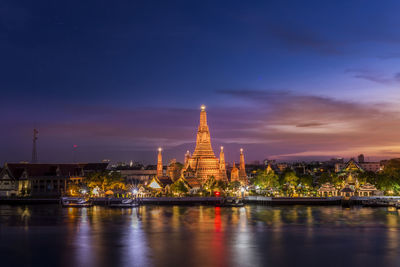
point(203, 161)
point(187, 157)
point(159, 163)
point(222, 166)
point(234, 173)
point(203, 140)
point(242, 168)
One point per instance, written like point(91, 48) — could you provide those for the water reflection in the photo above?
point(199, 236)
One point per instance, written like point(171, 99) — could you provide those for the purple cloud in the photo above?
point(374, 76)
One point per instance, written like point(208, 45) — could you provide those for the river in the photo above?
point(48, 235)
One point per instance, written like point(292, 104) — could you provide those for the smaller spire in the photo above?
point(203, 107)
point(222, 158)
point(187, 157)
point(242, 168)
point(159, 163)
point(234, 173)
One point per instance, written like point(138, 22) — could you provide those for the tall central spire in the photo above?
point(203, 141)
point(203, 164)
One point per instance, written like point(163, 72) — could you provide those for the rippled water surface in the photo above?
point(47, 235)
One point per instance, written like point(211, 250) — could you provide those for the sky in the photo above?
point(285, 80)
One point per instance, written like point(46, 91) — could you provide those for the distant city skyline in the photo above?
point(306, 80)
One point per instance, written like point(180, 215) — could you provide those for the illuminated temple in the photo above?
point(203, 163)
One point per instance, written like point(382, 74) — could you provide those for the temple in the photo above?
point(203, 163)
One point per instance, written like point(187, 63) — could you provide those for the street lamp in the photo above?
point(95, 191)
point(242, 191)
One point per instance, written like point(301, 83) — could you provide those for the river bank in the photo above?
point(259, 200)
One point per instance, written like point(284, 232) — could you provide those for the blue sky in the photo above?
point(283, 79)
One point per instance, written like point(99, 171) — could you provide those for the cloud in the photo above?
point(310, 124)
point(374, 76)
point(318, 125)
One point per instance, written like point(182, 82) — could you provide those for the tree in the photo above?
point(389, 179)
point(325, 177)
point(273, 180)
point(260, 179)
point(211, 185)
point(234, 186)
point(105, 181)
point(179, 188)
point(290, 180)
point(305, 184)
point(368, 177)
point(221, 185)
point(306, 180)
point(265, 179)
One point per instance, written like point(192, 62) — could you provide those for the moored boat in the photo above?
point(380, 203)
point(124, 203)
point(231, 202)
point(75, 202)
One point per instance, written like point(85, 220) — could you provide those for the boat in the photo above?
point(380, 203)
point(75, 202)
point(231, 202)
point(124, 203)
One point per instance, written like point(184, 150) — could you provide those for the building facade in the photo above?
point(361, 165)
point(44, 180)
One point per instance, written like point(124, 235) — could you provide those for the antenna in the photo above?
point(74, 148)
point(34, 152)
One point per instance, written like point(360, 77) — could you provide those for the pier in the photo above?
point(293, 200)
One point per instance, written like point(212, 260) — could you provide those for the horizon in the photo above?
point(287, 82)
point(281, 159)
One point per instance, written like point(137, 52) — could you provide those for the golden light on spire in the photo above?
point(222, 148)
point(203, 107)
point(241, 150)
point(159, 149)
